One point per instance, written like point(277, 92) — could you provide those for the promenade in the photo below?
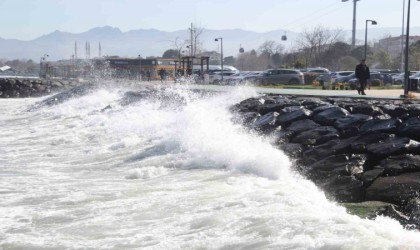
point(383, 93)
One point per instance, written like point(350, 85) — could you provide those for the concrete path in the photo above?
point(385, 93)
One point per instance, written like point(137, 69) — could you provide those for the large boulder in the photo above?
point(345, 164)
point(293, 150)
point(343, 188)
point(329, 116)
point(286, 118)
point(316, 136)
point(251, 104)
point(266, 123)
point(395, 189)
point(360, 144)
point(395, 165)
point(349, 125)
point(410, 128)
point(394, 145)
point(366, 109)
point(380, 126)
point(302, 125)
point(317, 153)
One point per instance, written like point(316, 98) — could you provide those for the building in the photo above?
point(393, 45)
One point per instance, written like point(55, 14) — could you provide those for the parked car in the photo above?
point(279, 76)
point(237, 78)
point(317, 70)
point(216, 77)
point(345, 78)
point(399, 79)
point(340, 74)
point(252, 75)
point(373, 76)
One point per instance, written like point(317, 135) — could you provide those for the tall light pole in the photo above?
point(407, 44)
point(402, 37)
point(221, 52)
point(373, 23)
point(353, 32)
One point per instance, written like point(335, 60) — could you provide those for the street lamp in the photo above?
point(139, 56)
point(353, 32)
point(43, 58)
point(373, 23)
point(221, 52)
point(407, 38)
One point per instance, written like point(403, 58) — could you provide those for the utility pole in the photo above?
point(192, 40)
point(100, 50)
point(353, 32)
point(402, 38)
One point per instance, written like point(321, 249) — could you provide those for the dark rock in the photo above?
point(366, 109)
point(266, 123)
point(413, 110)
point(282, 136)
point(395, 189)
point(252, 104)
point(271, 107)
point(319, 152)
point(389, 126)
point(344, 164)
point(312, 103)
point(361, 143)
point(410, 128)
point(247, 119)
point(329, 116)
point(344, 188)
point(393, 146)
point(395, 165)
point(293, 150)
point(349, 125)
point(316, 136)
point(66, 95)
point(322, 108)
point(369, 176)
point(394, 111)
point(302, 125)
point(286, 118)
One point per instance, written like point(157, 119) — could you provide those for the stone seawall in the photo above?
point(15, 88)
point(357, 150)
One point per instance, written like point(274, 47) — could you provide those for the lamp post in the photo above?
point(373, 23)
point(221, 52)
point(139, 56)
point(43, 58)
point(353, 32)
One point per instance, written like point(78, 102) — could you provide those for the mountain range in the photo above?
point(151, 42)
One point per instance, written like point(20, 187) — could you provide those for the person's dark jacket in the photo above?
point(362, 72)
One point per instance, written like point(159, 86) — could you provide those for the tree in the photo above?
point(229, 60)
point(313, 42)
point(382, 60)
point(171, 53)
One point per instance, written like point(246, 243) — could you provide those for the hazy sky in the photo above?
point(29, 19)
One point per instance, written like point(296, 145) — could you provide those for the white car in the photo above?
point(340, 74)
point(216, 77)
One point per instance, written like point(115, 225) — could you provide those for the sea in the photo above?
point(93, 172)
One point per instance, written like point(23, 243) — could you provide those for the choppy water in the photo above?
point(144, 176)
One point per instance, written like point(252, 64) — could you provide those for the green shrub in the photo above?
point(309, 78)
point(376, 83)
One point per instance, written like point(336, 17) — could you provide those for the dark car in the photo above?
point(279, 76)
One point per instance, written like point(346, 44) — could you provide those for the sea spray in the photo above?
point(153, 176)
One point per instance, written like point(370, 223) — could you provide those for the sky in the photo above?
point(29, 19)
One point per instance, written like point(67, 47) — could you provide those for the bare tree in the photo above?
point(313, 42)
point(198, 31)
point(178, 44)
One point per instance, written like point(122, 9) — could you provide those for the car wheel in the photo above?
point(294, 82)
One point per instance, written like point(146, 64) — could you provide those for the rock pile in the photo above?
point(14, 88)
point(356, 150)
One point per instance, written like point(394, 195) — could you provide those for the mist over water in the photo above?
point(162, 175)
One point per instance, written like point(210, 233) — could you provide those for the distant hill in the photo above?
point(152, 42)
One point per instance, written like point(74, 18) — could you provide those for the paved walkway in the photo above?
point(384, 93)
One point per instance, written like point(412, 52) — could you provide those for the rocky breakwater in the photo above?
point(15, 87)
point(359, 151)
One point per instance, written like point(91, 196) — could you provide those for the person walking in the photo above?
point(363, 75)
